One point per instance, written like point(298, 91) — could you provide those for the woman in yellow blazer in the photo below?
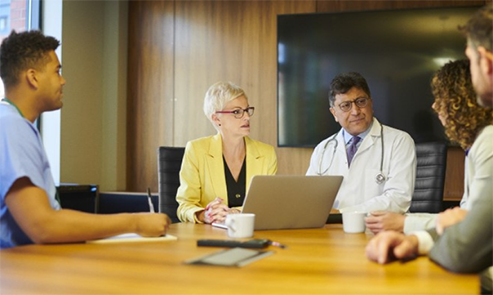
point(216, 170)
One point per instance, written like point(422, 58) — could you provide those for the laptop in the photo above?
point(291, 202)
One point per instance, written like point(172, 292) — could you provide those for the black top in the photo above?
point(236, 190)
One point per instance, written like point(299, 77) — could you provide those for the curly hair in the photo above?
point(456, 100)
point(22, 51)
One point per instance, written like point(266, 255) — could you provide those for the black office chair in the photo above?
point(430, 177)
point(169, 164)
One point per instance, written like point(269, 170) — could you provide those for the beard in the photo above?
point(484, 91)
point(485, 100)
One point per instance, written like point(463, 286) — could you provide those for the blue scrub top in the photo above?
point(21, 155)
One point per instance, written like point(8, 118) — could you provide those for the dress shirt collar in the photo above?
point(348, 137)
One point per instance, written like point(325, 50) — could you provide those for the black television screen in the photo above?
point(397, 51)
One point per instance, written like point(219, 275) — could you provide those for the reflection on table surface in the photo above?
point(317, 261)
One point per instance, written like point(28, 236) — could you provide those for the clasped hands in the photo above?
point(216, 211)
point(390, 245)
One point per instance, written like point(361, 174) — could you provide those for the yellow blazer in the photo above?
point(202, 177)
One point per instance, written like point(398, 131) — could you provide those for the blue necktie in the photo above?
point(352, 149)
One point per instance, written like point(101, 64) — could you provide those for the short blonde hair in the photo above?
point(218, 95)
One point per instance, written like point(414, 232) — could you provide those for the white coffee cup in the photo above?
point(240, 225)
point(353, 222)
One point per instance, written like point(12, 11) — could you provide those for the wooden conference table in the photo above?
point(317, 261)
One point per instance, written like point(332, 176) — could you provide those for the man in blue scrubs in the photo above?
point(29, 211)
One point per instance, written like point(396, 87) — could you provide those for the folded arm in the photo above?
point(467, 246)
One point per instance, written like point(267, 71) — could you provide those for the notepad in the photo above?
point(124, 238)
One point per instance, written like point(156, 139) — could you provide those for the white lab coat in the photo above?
point(359, 190)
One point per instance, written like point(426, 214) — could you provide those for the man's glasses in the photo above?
point(359, 102)
point(238, 113)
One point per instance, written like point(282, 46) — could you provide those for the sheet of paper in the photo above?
point(133, 238)
point(220, 225)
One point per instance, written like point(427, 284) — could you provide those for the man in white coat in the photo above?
point(378, 162)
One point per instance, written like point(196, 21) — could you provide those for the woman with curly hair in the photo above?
point(466, 123)
point(456, 104)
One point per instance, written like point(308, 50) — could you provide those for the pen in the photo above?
point(149, 198)
point(277, 244)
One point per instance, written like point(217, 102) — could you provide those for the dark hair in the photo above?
point(455, 97)
point(344, 82)
point(478, 29)
point(22, 51)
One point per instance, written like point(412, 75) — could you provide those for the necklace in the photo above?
point(11, 103)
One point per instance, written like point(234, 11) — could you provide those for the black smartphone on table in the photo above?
point(254, 243)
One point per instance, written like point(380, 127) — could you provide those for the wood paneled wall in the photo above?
point(150, 89)
point(177, 49)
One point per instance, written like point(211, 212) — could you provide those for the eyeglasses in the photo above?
point(239, 113)
point(359, 102)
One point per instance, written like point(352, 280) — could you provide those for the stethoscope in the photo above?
point(380, 178)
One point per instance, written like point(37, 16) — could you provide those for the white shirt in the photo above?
point(359, 190)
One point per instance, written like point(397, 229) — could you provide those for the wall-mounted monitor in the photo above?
point(397, 51)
